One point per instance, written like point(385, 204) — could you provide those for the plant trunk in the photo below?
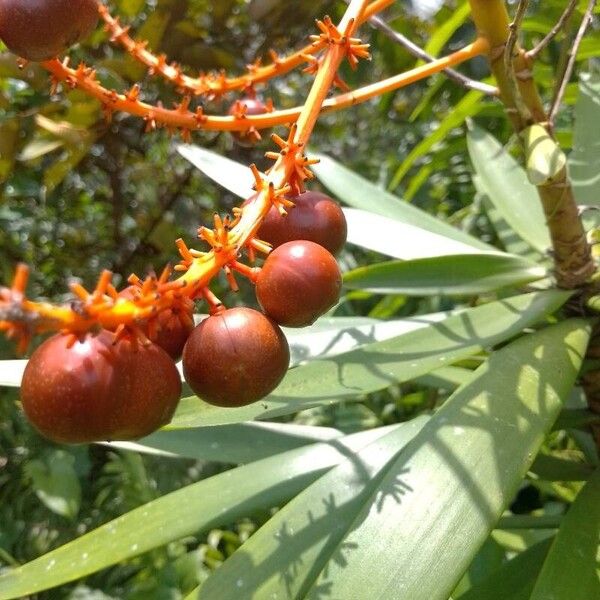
point(573, 262)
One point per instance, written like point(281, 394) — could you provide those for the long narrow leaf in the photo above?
point(357, 192)
point(240, 444)
point(514, 580)
point(571, 570)
point(233, 176)
point(283, 558)
point(449, 275)
point(439, 501)
point(584, 161)
point(506, 184)
point(400, 240)
point(216, 501)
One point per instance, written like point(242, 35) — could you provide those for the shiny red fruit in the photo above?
point(315, 217)
point(99, 390)
point(174, 326)
point(235, 357)
point(42, 29)
point(298, 283)
point(254, 106)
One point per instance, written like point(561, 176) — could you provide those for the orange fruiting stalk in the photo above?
point(218, 84)
point(100, 309)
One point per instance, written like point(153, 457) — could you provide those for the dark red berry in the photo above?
point(315, 217)
point(42, 29)
point(235, 357)
point(98, 389)
point(253, 106)
point(298, 283)
point(174, 326)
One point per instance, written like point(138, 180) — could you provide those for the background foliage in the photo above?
point(78, 194)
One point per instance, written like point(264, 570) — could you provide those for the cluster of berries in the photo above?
point(105, 388)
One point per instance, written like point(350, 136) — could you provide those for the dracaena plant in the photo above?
point(405, 511)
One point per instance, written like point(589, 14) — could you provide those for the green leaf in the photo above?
point(209, 503)
point(552, 468)
point(514, 580)
point(511, 242)
point(330, 336)
point(570, 571)
point(357, 192)
point(233, 176)
point(239, 444)
point(442, 34)
point(506, 184)
point(467, 107)
point(399, 240)
point(55, 482)
point(379, 365)
point(282, 559)
point(448, 275)
point(458, 474)
point(584, 161)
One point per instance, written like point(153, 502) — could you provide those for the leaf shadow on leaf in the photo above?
point(318, 541)
point(374, 361)
point(302, 352)
point(441, 457)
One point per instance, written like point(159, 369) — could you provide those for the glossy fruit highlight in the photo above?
point(235, 357)
point(174, 326)
point(315, 217)
point(42, 29)
point(298, 283)
point(99, 390)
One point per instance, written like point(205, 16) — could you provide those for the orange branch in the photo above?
point(182, 119)
point(218, 84)
point(227, 239)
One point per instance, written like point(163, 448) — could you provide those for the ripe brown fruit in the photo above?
point(315, 217)
point(235, 357)
point(298, 283)
point(174, 326)
point(254, 106)
point(42, 29)
point(99, 390)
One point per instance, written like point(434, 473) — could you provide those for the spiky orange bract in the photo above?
point(42, 29)
point(314, 217)
point(99, 389)
point(298, 283)
point(216, 84)
point(235, 357)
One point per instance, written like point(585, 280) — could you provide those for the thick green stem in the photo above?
point(572, 256)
